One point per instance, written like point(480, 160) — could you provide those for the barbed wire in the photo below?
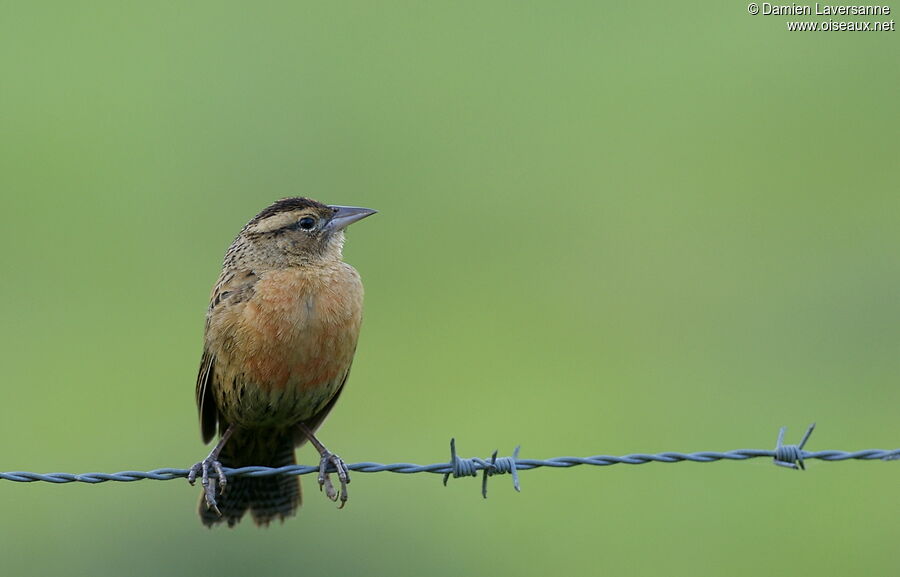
point(790, 456)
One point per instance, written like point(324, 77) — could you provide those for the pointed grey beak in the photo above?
point(344, 216)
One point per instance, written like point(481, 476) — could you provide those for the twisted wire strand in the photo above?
point(792, 456)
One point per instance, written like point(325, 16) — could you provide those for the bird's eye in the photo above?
point(307, 223)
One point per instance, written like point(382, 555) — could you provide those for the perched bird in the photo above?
point(281, 331)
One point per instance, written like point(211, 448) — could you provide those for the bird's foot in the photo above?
point(209, 485)
point(343, 473)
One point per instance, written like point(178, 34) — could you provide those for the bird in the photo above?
point(281, 331)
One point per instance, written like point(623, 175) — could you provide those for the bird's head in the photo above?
point(295, 231)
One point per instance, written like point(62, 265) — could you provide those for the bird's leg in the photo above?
point(329, 458)
point(212, 460)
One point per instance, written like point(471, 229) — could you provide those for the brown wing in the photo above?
point(206, 402)
point(233, 288)
point(316, 420)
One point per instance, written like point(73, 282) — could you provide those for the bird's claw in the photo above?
point(209, 486)
point(343, 474)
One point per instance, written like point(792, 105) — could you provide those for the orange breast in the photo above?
point(300, 330)
point(290, 344)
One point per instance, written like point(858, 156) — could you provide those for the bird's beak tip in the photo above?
point(344, 216)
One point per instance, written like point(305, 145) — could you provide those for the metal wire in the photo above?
point(792, 456)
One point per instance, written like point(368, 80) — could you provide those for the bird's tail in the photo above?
point(267, 498)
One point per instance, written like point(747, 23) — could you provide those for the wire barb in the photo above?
point(501, 466)
point(460, 467)
point(791, 456)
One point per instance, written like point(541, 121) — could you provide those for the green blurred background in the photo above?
point(602, 229)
